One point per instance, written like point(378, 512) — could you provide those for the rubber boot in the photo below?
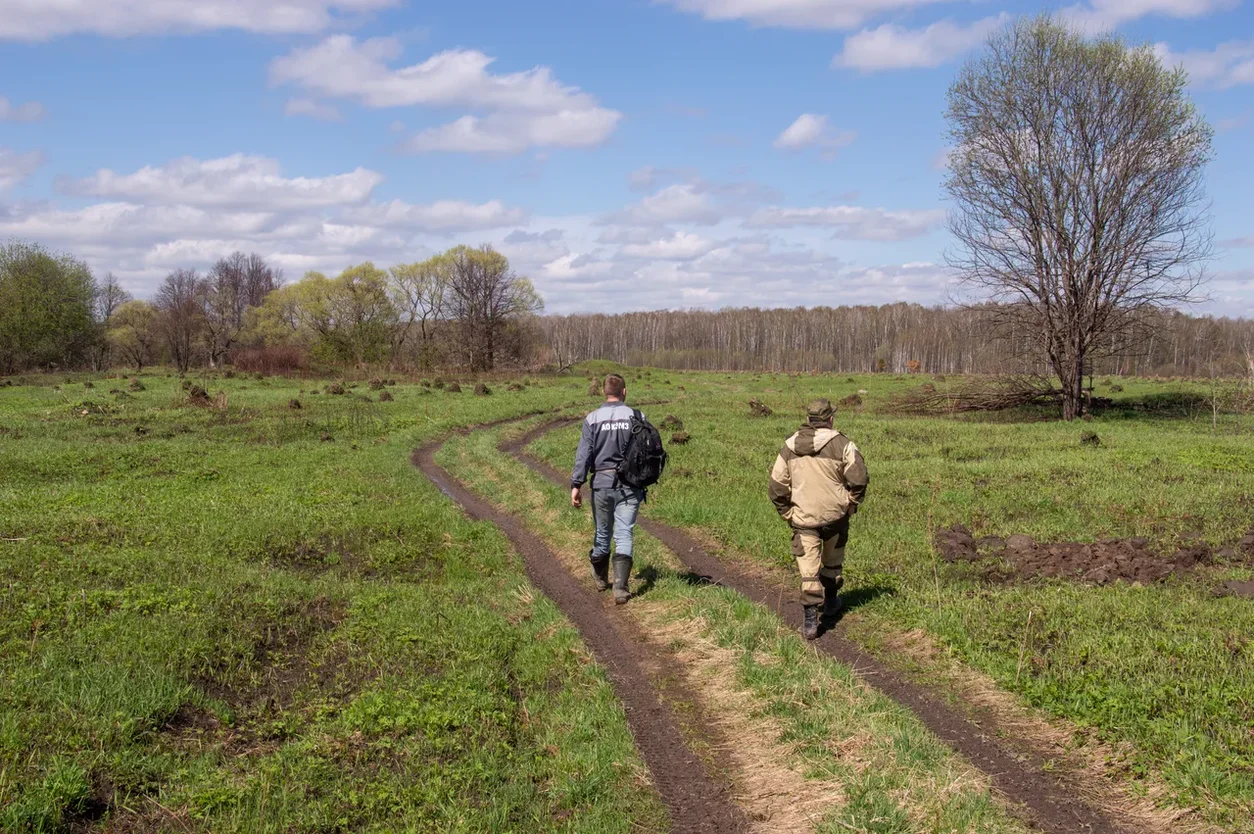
point(832, 604)
point(810, 622)
point(622, 573)
point(600, 571)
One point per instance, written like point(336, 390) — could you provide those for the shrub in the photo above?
point(272, 359)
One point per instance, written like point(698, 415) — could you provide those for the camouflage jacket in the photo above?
point(818, 478)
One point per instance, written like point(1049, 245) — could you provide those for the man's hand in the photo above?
point(576, 497)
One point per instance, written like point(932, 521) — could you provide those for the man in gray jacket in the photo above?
point(614, 504)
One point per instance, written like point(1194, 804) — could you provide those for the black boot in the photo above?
point(622, 573)
point(600, 571)
point(810, 622)
point(832, 605)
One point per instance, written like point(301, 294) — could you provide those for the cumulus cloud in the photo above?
point(890, 46)
point(680, 246)
point(518, 110)
point(441, 216)
point(15, 167)
point(236, 181)
point(313, 109)
point(681, 203)
point(799, 14)
point(189, 212)
point(548, 236)
point(811, 130)
point(31, 111)
point(1103, 15)
point(36, 20)
point(1228, 65)
point(851, 222)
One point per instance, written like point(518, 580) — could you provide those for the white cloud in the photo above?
point(683, 203)
point(510, 133)
point(441, 216)
point(851, 222)
point(1227, 65)
point(519, 110)
point(313, 109)
point(236, 181)
point(31, 111)
point(36, 20)
point(680, 246)
point(893, 47)
point(15, 167)
point(800, 14)
point(1103, 15)
point(812, 130)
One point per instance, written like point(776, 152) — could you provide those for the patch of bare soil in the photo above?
point(1097, 563)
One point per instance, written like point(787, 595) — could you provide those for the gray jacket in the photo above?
point(605, 433)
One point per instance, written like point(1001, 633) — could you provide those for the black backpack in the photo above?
point(643, 455)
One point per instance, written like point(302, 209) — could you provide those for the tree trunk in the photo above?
point(1071, 375)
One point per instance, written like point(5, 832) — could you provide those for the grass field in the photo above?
point(1167, 670)
point(216, 619)
point(252, 617)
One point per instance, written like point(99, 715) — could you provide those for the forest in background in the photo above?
point(891, 338)
point(467, 310)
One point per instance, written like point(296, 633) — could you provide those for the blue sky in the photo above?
point(625, 154)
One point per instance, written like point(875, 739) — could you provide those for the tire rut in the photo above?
point(698, 801)
point(1047, 803)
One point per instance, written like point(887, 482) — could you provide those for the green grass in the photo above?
point(894, 775)
point(1167, 669)
point(217, 620)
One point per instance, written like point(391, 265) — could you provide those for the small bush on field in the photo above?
point(385, 397)
point(293, 404)
point(376, 384)
point(453, 388)
point(197, 395)
point(852, 401)
point(336, 389)
point(679, 438)
point(135, 385)
point(275, 359)
point(482, 390)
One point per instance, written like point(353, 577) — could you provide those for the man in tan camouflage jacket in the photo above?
point(817, 483)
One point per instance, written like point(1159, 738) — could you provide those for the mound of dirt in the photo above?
point(671, 423)
point(759, 409)
point(385, 397)
point(482, 390)
point(852, 401)
point(197, 395)
point(1098, 563)
point(453, 388)
point(679, 438)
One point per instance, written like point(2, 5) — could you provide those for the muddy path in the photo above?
point(1047, 801)
point(698, 800)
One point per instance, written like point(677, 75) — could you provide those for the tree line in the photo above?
point(465, 307)
point(893, 338)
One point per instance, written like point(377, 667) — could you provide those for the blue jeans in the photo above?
point(614, 513)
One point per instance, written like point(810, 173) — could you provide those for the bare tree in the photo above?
point(182, 318)
point(233, 285)
point(109, 297)
point(485, 297)
point(1077, 177)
